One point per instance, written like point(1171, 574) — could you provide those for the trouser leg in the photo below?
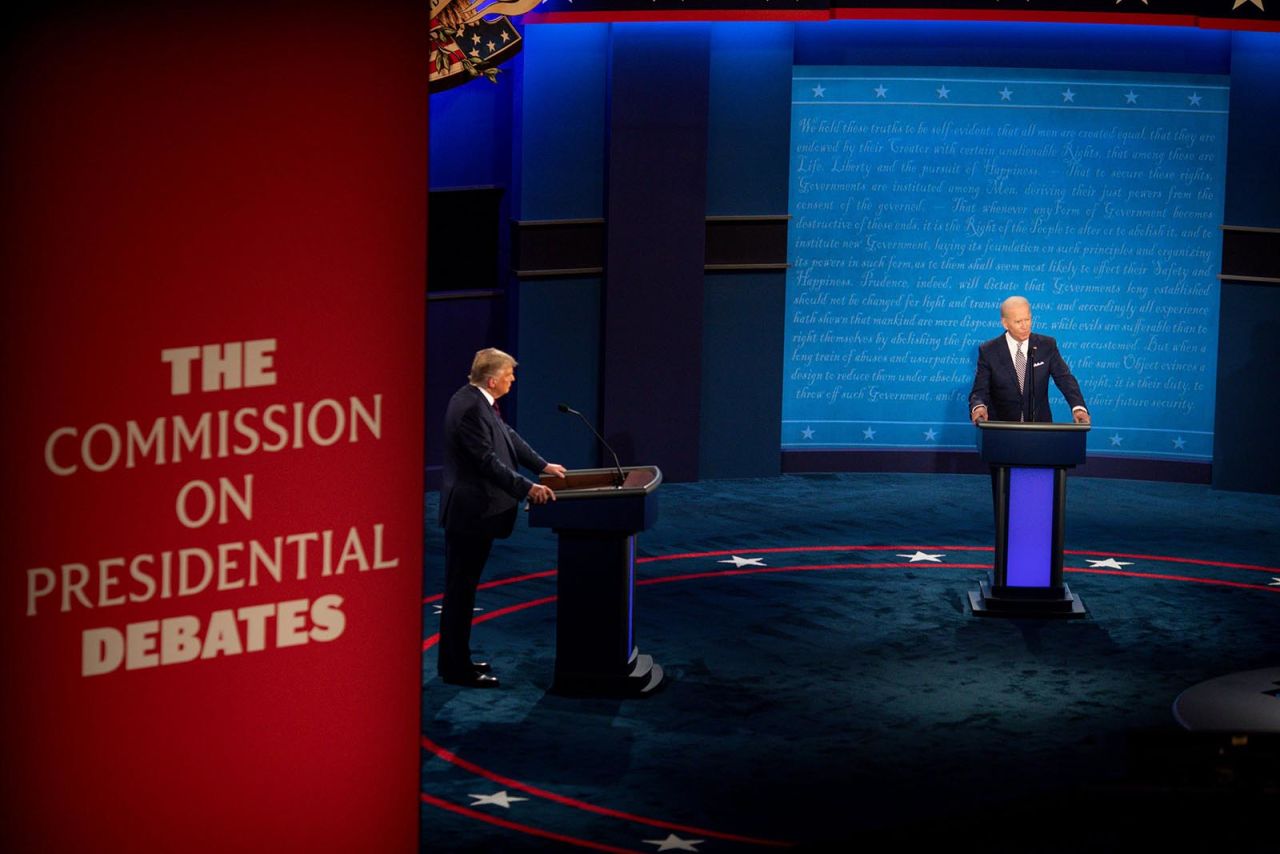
point(464, 560)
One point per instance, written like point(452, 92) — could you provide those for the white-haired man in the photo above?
point(1012, 380)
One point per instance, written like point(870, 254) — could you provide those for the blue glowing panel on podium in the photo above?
point(1031, 516)
point(921, 197)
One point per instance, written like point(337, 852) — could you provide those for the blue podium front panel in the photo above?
point(1031, 515)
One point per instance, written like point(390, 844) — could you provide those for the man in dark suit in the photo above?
point(480, 492)
point(1012, 381)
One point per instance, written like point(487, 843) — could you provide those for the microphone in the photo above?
point(1031, 381)
point(619, 478)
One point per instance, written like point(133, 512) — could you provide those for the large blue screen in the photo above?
point(922, 197)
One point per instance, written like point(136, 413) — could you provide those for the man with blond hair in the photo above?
point(479, 494)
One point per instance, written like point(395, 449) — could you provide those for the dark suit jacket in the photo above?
point(996, 385)
point(481, 487)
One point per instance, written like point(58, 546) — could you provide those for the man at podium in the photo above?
point(1029, 457)
point(1012, 380)
point(480, 490)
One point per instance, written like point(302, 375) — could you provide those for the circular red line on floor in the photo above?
point(522, 828)
point(783, 549)
point(466, 765)
point(471, 767)
point(516, 579)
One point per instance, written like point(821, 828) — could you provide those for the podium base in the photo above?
point(643, 678)
point(1027, 602)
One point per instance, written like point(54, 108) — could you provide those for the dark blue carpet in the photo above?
point(823, 695)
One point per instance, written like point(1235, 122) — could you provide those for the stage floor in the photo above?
point(826, 681)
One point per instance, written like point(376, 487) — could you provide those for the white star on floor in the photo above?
point(440, 608)
point(881, 91)
point(920, 556)
point(930, 434)
point(1116, 440)
point(1109, 563)
point(1006, 94)
point(1194, 99)
point(1240, 3)
point(740, 562)
point(869, 433)
point(674, 843)
point(1068, 97)
point(819, 91)
point(1179, 442)
point(807, 432)
point(943, 91)
point(497, 799)
point(1275, 581)
point(1131, 97)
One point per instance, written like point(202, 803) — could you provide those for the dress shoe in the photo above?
point(481, 666)
point(472, 680)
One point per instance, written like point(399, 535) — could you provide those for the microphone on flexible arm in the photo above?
point(1031, 380)
point(620, 478)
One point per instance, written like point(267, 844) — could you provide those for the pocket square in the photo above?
point(1038, 364)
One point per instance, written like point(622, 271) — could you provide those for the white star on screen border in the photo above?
point(1116, 439)
point(881, 91)
point(807, 433)
point(497, 799)
point(674, 843)
point(740, 562)
point(923, 557)
point(1109, 563)
point(869, 433)
point(1179, 443)
point(1194, 99)
point(943, 91)
point(1006, 94)
point(819, 91)
point(930, 435)
point(1131, 97)
point(1068, 97)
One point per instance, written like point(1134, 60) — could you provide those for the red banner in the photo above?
point(214, 260)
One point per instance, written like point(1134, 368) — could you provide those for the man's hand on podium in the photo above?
point(1081, 416)
point(555, 469)
point(978, 413)
point(540, 494)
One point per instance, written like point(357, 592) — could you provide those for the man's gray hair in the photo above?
point(1011, 302)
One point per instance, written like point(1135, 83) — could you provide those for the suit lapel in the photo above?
point(1005, 361)
point(1034, 353)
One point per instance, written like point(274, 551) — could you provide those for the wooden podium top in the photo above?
point(601, 483)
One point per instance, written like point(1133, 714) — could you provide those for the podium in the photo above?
point(1029, 464)
point(596, 522)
